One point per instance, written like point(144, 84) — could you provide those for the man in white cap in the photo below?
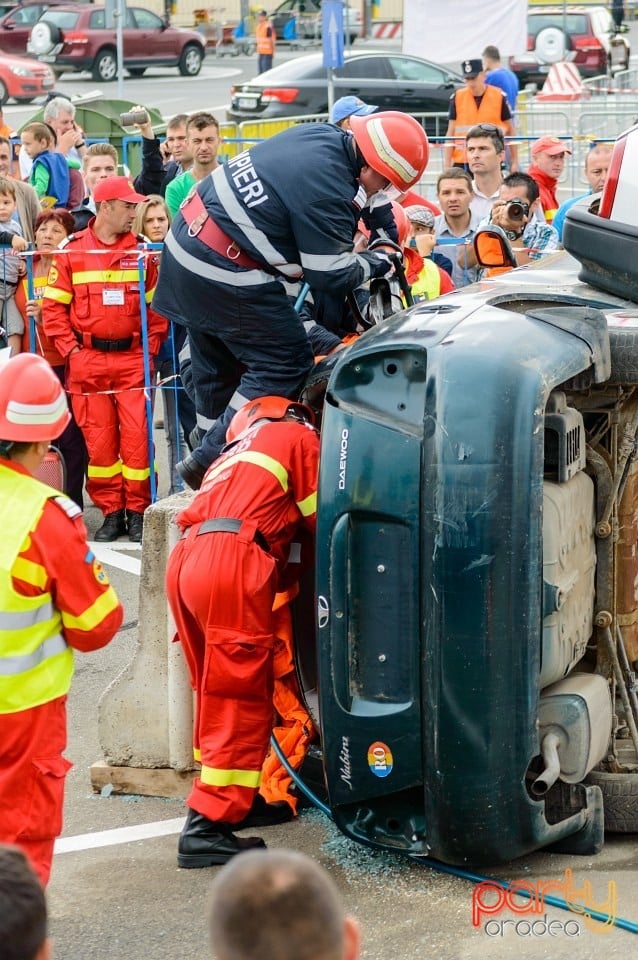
point(346, 107)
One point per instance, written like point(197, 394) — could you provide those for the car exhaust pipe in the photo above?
point(549, 776)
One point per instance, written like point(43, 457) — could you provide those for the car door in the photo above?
point(367, 77)
point(149, 40)
point(420, 87)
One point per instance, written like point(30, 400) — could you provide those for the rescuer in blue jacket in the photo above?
point(285, 209)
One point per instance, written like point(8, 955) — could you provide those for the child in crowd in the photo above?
point(11, 267)
point(427, 278)
point(50, 171)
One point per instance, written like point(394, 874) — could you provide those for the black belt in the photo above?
point(106, 346)
point(230, 525)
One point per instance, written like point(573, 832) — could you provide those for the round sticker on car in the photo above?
point(380, 759)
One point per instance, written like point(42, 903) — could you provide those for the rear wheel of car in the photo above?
point(190, 62)
point(620, 800)
point(136, 71)
point(24, 99)
point(4, 93)
point(623, 345)
point(551, 45)
point(44, 37)
point(105, 66)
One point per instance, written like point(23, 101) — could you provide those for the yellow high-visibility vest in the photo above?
point(36, 663)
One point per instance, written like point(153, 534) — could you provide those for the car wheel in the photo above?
point(136, 71)
point(105, 66)
point(620, 800)
point(44, 37)
point(352, 38)
point(4, 93)
point(551, 45)
point(24, 99)
point(190, 62)
point(623, 346)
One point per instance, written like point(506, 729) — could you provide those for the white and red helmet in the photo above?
point(394, 144)
point(33, 404)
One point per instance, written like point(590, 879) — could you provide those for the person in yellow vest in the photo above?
point(266, 39)
point(475, 104)
point(54, 596)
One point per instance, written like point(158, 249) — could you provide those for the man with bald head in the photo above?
point(279, 903)
point(597, 160)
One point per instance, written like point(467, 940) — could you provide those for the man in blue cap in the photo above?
point(346, 107)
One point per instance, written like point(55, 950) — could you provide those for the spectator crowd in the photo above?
point(52, 191)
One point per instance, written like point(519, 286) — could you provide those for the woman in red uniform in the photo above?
point(221, 582)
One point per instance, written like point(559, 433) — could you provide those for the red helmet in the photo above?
point(402, 222)
point(394, 144)
point(266, 408)
point(33, 404)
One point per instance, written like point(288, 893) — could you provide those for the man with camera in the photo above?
point(514, 212)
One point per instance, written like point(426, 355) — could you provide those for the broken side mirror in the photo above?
point(492, 248)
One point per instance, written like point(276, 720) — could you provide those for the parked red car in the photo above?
point(76, 37)
point(16, 21)
point(23, 79)
point(584, 36)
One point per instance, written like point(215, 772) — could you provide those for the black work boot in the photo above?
point(135, 524)
point(205, 843)
point(114, 526)
point(191, 471)
point(263, 814)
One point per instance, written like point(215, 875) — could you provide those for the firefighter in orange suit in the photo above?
point(221, 581)
point(54, 596)
point(477, 103)
point(266, 39)
point(91, 311)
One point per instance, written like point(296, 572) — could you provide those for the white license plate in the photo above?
point(543, 68)
point(48, 58)
point(247, 103)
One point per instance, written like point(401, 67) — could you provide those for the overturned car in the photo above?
point(477, 571)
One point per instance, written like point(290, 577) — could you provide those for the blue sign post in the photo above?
point(332, 36)
point(332, 33)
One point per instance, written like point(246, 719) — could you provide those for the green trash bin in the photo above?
point(100, 120)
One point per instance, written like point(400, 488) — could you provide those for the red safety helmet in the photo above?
point(33, 404)
point(402, 222)
point(394, 144)
point(266, 408)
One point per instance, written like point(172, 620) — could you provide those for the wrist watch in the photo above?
point(511, 235)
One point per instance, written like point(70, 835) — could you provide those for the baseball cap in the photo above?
point(550, 145)
point(471, 68)
point(417, 213)
point(348, 106)
point(117, 188)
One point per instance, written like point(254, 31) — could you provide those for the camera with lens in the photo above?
point(135, 116)
point(517, 209)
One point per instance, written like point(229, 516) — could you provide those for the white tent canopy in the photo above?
point(446, 31)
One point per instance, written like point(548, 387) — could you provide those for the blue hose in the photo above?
point(551, 901)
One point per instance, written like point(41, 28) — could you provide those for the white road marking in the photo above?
point(110, 555)
point(110, 838)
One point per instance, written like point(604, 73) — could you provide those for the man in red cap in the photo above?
point(548, 162)
point(92, 312)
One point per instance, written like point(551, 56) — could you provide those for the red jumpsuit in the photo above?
point(92, 301)
point(221, 587)
point(55, 560)
point(547, 192)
